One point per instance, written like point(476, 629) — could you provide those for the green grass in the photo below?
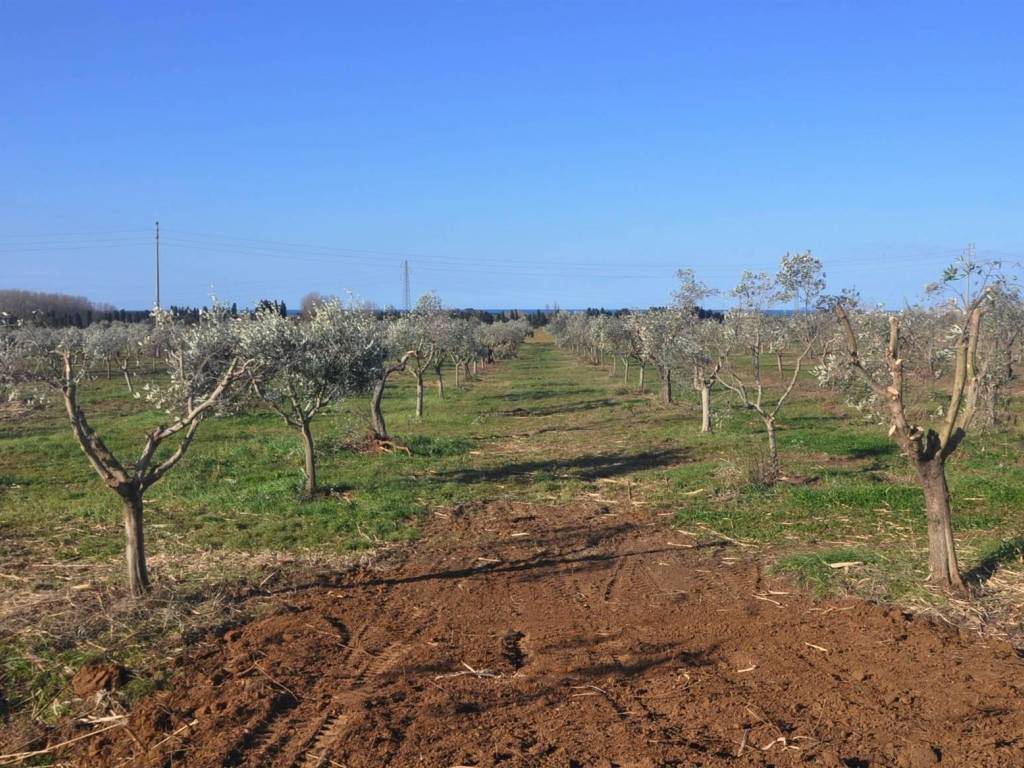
point(541, 428)
point(814, 570)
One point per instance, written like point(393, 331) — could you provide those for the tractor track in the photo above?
point(524, 635)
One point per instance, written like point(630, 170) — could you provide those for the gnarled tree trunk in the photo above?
point(943, 568)
point(135, 544)
point(380, 428)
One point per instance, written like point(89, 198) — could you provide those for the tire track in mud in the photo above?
point(316, 754)
point(257, 737)
point(667, 661)
point(361, 680)
point(277, 733)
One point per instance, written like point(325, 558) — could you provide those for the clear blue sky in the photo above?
point(519, 153)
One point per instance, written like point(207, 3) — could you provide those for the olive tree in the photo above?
point(746, 329)
point(703, 344)
point(662, 335)
point(119, 344)
point(204, 368)
point(501, 339)
point(877, 355)
point(617, 342)
point(1001, 350)
point(464, 345)
point(385, 339)
point(420, 331)
point(633, 324)
point(309, 365)
point(571, 331)
point(10, 363)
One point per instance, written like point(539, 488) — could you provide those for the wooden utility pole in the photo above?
point(405, 285)
point(158, 265)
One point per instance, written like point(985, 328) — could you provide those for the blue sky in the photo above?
point(518, 154)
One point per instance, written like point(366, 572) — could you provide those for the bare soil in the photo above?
point(523, 635)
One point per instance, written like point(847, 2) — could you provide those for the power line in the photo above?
point(117, 232)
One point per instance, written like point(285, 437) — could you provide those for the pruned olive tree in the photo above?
point(571, 331)
point(204, 369)
point(617, 343)
point(747, 327)
point(120, 344)
point(1001, 350)
point(706, 352)
point(599, 331)
point(877, 355)
point(663, 342)
point(419, 331)
point(704, 346)
point(309, 365)
point(633, 324)
point(393, 359)
point(501, 339)
point(464, 346)
point(443, 330)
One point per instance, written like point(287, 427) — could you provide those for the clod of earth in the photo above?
point(614, 661)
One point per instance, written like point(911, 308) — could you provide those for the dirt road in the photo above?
point(519, 635)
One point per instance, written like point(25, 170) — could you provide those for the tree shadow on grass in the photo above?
point(872, 452)
point(587, 467)
point(543, 394)
point(1003, 553)
point(533, 568)
point(555, 410)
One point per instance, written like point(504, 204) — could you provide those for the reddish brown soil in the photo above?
point(517, 635)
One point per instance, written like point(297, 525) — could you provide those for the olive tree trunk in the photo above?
point(135, 544)
point(705, 409)
point(310, 487)
point(773, 443)
point(380, 428)
point(943, 568)
point(440, 381)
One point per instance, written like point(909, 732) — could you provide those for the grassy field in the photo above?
point(543, 427)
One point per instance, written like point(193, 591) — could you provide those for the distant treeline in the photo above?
point(62, 310)
point(486, 316)
point(535, 318)
point(702, 313)
point(59, 309)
